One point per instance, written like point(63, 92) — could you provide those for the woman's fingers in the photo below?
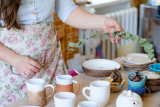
point(118, 39)
point(34, 63)
point(30, 72)
point(118, 27)
point(111, 37)
point(25, 75)
point(32, 68)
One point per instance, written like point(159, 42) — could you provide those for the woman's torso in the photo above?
point(36, 11)
point(41, 11)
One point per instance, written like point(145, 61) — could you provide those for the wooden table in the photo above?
point(84, 80)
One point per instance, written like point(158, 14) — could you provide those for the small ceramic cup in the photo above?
point(64, 99)
point(140, 84)
point(87, 104)
point(64, 83)
point(155, 67)
point(140, 91)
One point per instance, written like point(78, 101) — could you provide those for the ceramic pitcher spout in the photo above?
point(56, 77)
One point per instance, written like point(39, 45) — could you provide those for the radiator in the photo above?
point(128, 20)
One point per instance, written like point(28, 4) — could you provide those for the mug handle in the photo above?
point(149, 92)
point(77, 85)
point(52, 88)
point(83, 91)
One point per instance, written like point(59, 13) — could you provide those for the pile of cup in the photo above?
point(138, 87)
point(64, 95)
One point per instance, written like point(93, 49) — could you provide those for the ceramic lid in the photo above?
point(128, 93)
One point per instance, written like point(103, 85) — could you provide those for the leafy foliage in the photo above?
point(142, 41)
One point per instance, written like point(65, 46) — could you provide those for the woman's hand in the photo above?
point(25, 64)
point(109, 25)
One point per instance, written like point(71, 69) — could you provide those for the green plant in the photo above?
point(123, 34)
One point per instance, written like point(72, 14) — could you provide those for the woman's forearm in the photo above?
point(6, 54)
point(79, 18)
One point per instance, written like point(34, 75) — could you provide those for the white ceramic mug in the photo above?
point(64, 83)
point(36, 94)
point(87, 104)
point(64, 99)
point(99, 92)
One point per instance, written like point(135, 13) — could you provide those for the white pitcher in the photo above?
point(36, 94)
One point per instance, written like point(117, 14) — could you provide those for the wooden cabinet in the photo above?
point(63, 45)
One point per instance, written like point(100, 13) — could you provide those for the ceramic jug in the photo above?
point(36, 92)
point(129, 99)
point(64, 83)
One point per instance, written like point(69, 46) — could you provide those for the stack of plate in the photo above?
point(137, 61)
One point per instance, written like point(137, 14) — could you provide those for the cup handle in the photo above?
point(52, 92)
point(83, 91)
point(147, 94)
point(77, 85)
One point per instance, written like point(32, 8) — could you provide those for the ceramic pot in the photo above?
point(129, 99)
point(140, 91)
point(140, 84)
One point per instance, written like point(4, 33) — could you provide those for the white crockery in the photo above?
point(129, 99)
point(136, 58)
point(87, 104)
point(64, 80)
point(99, 92)
point(101, 64)
point(37, 85)
point(64, 99)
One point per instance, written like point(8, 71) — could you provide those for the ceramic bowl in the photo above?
point(100, 67)
point(140, 91)
point(140, 84)
point(155, 67)
point(136, 58)
point(114, 88)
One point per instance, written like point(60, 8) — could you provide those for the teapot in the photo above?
point(129, 99)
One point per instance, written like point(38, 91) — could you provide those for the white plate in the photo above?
point(101, 64)
point(136, 58)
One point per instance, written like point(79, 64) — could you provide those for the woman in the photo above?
point(28, 41)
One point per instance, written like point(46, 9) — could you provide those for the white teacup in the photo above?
point(99, 92)
point(64, 99)
point(87, 104)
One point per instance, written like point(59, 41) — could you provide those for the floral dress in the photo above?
point(39, 42)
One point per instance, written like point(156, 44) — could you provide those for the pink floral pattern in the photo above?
point(23, 88)
point(12, 80)
point(13, 40)
point(49, 72)
point(40, 43)
point(1, 101)
point(3, 41)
